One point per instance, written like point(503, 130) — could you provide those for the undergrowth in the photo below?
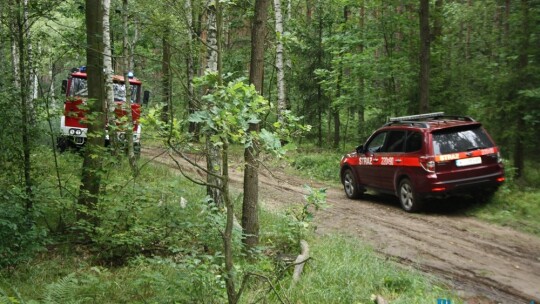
point(322, 165)
point(159, 241)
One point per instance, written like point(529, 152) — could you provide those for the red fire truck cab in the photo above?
point(73, 126)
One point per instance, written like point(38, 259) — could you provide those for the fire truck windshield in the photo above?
point(79, 88)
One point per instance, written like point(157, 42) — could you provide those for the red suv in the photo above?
point(427, 155)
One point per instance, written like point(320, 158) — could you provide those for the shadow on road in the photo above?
point(456, 206)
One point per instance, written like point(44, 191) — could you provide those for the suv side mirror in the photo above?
point(360, 149)
point(64, 86)
point(146, 98)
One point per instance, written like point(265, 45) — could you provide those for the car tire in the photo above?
point(408, 198)
point(62, 144)
point(350, 185)
point(484, 196)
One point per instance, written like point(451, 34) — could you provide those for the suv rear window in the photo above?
point(460, 140)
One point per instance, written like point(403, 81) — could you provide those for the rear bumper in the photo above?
point(461, 186)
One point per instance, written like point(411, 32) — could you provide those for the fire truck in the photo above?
point(73, 124)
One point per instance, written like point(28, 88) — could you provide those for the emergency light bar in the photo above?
point(417, 117)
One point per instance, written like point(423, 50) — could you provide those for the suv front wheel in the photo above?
point(350, 185)
point(409, 200)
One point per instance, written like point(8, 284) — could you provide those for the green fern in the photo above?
point(63, 291)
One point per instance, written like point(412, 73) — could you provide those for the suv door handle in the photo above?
point(375, 159)
point(398, 160)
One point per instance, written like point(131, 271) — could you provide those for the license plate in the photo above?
point(468, 161)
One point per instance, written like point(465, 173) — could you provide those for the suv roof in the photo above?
point(437, 120)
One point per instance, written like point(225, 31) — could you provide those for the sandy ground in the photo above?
point(484, 263)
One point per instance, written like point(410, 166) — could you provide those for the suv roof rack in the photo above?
point(417, 117)
point(414, 119)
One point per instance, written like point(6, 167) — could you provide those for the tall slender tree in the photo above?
point(92, 162)
point(109, 103)
point(281, 95)
point(19, 53)
point(126, 67)
point(522, 83)
point(424, 56)
point(213, 157)
point(250, 213)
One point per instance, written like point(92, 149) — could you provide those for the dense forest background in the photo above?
point(343, 67)
point(348, 64)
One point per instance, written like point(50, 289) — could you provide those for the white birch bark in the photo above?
point(213, 160)
point(15, 61)
point(127, 103)
point(108, 70)
point(281, 97)
point(212, 43)
point(32, 77)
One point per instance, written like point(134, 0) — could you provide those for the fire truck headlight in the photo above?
point(71, 131)
point(78, 132)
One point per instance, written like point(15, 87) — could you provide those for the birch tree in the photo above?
point(108, 70)
point(281, 97)
point(126, 67)
point(213, 158)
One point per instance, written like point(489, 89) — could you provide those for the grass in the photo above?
point(516, 204)
point(519, 210)
point(343, 270)
point(319, 165)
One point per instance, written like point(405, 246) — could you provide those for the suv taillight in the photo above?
point(427, 163)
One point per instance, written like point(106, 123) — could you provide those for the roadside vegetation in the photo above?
point(516, 203)
point(159, 242)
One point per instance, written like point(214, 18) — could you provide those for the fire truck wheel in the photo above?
point(137, 149)
point(350, 185)
point(62, 144)
point(409, 200)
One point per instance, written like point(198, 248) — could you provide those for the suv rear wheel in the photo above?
point(409, 200)
point(350, 185)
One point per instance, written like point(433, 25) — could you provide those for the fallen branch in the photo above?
point(300, 261)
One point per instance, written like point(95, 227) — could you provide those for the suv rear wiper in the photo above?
point(475, 148)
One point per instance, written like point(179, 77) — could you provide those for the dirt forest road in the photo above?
point(485, 263)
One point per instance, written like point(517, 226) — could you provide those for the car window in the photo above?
point(395, 142)
point(460, 140)
point(376, 143)
point(414, 142)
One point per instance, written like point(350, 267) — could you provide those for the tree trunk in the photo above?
point(32, 85)
point(232, 295)
point(213, 157)
point(21, 83)
point(281, 97)
point(437, 21)
point(523, 82)
point(92, 163)
point(250, 213)
point(190, 68)
point(424, 56)
point(361, 81)
point(109, 103)
point(319, 88)
point(127, 105)
point(166, 77)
